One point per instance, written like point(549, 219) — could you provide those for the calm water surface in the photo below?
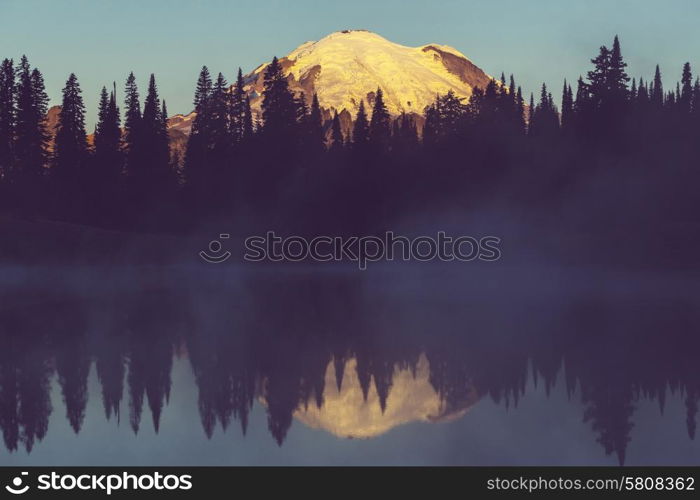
point(395, 365)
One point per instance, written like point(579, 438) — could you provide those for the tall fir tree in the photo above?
point(133, 142)
point(657, 89)
point(220, 140)
point(102, 114)
point(360, 131)
point(154, 166)
point(108, 144)
point(197, 171)
point(520, 112)
point(279, 110)
point(203, 89)
point(314, 128)
point(7, 117)
point(337, 139)
point(567, 108)
point(31, 134)
point(607, 96)
point(696, 105)
point(686, 94)
point(248, 128)
point(617, 78)
point(195, 154)
point(380, 124)
point(70, 148)
point(164, 133)
point(238, 108)
point(545, 120)
point(431, 127)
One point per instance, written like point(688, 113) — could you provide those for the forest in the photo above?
point(618, 152)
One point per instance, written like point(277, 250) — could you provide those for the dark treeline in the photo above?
point(272, 338)
point(616, 151)
point(59, 174)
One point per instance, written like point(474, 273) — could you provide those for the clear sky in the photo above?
point(537, 40)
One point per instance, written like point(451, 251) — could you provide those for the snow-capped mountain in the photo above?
point(347, 67)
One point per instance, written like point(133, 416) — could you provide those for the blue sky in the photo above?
point(537, 40)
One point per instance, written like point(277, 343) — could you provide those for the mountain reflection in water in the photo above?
point(354, 354)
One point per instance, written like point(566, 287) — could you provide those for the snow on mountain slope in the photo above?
point(348, 66)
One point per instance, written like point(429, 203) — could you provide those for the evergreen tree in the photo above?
point(220, 140)
point(196, 153)
point(316, 142)
point(450, 112)
point(520, 113)
point(696, 104)
point(302, 110)
point(686, 94)
point(360, 131)
point(204, 88)
point(238, 108)
point(657, 89)
point(247, 120)
point(164, 125)
point(102, 114)
point(107, 141)
point(489, 108)
point(642, 94)
point(617, 78)
point(70, 149)
point(545, 120)
point(512, 90)
point(380, 124)
point(7, 116)
point(607, 95)
point(279, 111)
point(337, 139)
point(132, 125)
point(152, 176)
point(31, 135)
point(567, 108)
point(431, 128)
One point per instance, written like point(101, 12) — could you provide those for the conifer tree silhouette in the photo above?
point(8, 98)
point(337, 138)
point(31, 136)
point(133, 143)
point(237, 117)
point(360, 132)
point(279, 110)
point(379, 126)
point(70, 149)
point(195, 168)
point(153, 174)
point(316, 143)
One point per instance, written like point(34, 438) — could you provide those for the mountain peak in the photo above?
point(346, 67)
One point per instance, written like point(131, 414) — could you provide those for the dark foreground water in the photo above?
point(401, 364)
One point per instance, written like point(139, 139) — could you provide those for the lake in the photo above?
point(417, 364)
